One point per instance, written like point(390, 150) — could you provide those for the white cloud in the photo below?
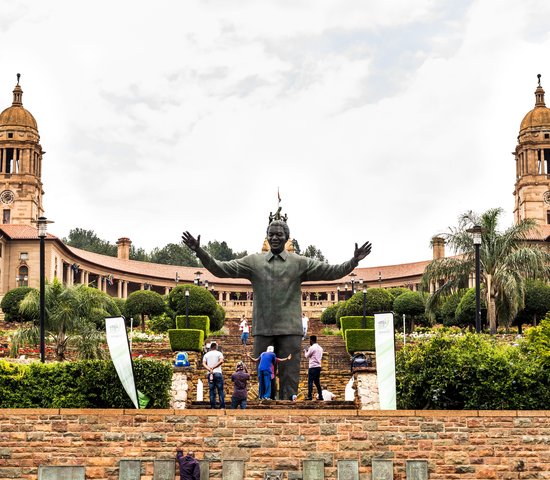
point(380, 121)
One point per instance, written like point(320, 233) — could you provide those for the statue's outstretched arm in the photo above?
point(362, 252)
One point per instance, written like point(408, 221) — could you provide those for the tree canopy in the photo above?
point(506, 262)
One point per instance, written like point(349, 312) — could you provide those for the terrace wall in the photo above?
point(456, 444)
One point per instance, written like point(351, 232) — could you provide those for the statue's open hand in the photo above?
point(362, 252)
point(192, 242)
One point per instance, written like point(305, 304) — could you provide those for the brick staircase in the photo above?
point(335, 375)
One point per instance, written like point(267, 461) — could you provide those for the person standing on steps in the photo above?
point(213, 361)
point(240, 392)
point(305, 325)
point(266, 370)
point(245, 330)
point(315, 354)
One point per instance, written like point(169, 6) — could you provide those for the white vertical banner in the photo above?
point(117, 339)
point(385, 360)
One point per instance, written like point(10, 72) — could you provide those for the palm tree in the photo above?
point(70, 320)
point(505, 258)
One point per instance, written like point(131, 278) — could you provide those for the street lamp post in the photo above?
point(337, 293)
point(476, 231)
point(42, 224)
point(198, 274)
point(364, 323)
point(177, 279)
point(186, 308)
point(352, 275)
point(379, 279)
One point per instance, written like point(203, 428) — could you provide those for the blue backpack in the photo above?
point(182, 360)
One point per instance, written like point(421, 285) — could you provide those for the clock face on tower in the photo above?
point(546, 197)
point(7, 197)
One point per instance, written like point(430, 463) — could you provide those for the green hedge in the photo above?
point(354, 322)
point(196, 322)
point(81, 384)
point(360, 340)
point(183, 339)
point(473, 372)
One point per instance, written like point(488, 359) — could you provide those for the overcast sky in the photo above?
point(378, 120)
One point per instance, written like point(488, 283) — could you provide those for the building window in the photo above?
point(24, 256)
point(23, 276)
point(546, 136)
point(10, 135)
point(6, 216)
point(1, 245)
point(548, 217)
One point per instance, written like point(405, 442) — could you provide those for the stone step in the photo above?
point(284, 404)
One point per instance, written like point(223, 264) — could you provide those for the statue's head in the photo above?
point(278, 234)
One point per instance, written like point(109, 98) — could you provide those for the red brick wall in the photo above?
point(457, 444)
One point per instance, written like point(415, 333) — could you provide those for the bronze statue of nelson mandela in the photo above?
point(276, 278)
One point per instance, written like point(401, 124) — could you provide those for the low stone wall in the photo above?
point(185, 385)
point(455, 444)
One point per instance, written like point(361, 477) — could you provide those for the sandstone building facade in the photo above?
point(21, 202)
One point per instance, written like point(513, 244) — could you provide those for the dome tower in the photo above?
point(532, 155)
point(20, 164)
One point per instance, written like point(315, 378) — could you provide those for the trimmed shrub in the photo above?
point(10, 304)
point(190, 340)
point(81, 384)
point(196, 322)
point(162, 323)
point(328, 316)
point(412, 305)
point(144, 303)
point(377, 300)
point(217, 319)
point(465, 314)
point(396, 291)
point(355, 322)
point(360, 340)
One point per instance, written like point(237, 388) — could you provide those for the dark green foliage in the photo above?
point(121, 304)
point(328, 316)
point(201, 302)
point(144, 303)
point(89, 241)
point(221, 251)
point(448, 309)
point(190, 340)
point(82, 384)
point(175, 254)
point(537, 301)
point(465, 314)
point(470, 372)
point(396, 291)
point(196, 322)
point(161, 323)
point(360, 340)
point(409, 303)
point(355, 322)
point(412, 305)
point(377, 300)
point(313, 252)
point(10, 305)
point(217, 319)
